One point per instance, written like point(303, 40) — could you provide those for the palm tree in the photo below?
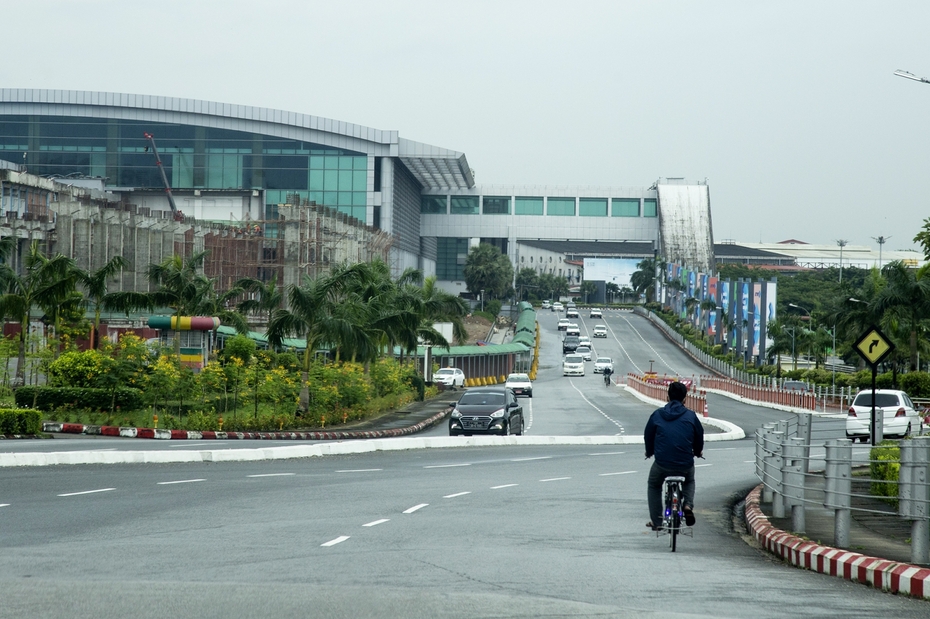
point(268, 297)
point(905, 302)
point(95, 285)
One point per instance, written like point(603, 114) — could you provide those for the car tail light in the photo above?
point(852, 412)
point(901, 412)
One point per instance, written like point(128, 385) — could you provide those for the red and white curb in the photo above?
point(882, 574)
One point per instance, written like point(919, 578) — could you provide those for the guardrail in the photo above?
point(758, 393)
point(696, 399)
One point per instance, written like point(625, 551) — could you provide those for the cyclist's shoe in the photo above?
point(689, 516)
point(654, 527)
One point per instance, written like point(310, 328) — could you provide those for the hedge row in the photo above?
point(51, 398)
point(19, 421)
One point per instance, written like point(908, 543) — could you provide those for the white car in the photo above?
point(546, 304)
point(571, 313)
point(520, 384)
point(573, 365)
point(600, 331)
point(899, 417)
point(601, 363)
point(450, 377)
point(563, 324)
point(584, 340)
point(595, 313)
point(557, 307)
point(585, 351)
point(572, 329)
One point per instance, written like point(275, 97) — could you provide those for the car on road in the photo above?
point(563, 324)
point(600, 331)
point(570, 343)
point(600, 363)
point(899, 416)
point(572, 329)
point(584, 351)
point(573, 365)
point(546, 304)
point(557, 307)
point(487, 410)
point(585, 340)
point(795, 385)
point(521, 384)
point(450, 377)
point(571, 313)
point(595, 313)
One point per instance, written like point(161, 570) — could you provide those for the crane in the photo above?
point(178, 215)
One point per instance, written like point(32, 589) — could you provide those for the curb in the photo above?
point(731, 431)
point(881, 574)
point(153, 433)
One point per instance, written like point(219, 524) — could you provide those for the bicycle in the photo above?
point(673, 515)
point(607, 378)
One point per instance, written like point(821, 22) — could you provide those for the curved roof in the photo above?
point(434, 167)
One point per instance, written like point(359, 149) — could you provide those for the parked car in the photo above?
point(450, 377)
point(573, 365)
point(557, 307)
point(521, 384)
point(570, 343)
point(899, 416)
point(595, 313)
point(487, 410)
point(563, 324)
point(572, 329)
point(584, 351)
point(600, 363)
point(600, 331)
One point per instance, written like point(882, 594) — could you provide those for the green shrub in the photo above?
point(916, 384)
point(885, 462)
point(20, 421)
point(51, 398)
point(493, 307)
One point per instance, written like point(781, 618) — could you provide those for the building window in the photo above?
point(433, 205)
point(561, 206)
point(592, 207)
point(496, 205)
point(528, 206)
point(650, 209)
point(464, 205)
point(450, 258)
point(624, 207)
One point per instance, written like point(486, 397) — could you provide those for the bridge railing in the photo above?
point(696, 399)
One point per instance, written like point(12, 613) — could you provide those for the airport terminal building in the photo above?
point(239, 166)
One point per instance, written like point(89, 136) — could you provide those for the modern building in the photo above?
point(235, 165)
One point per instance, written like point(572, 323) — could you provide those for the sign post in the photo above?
point(873, 346)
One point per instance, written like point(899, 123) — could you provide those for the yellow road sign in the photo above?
point(873, 346)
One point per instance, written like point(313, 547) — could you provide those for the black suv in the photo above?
point(487, 410)
point(570, 343)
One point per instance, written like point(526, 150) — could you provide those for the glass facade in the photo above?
point(496, 205)
point(592, 207)
point(193, 158)
point(528, 206)
point(433, 205)
point(561, 206)
point(450, 258)
point(465, 205)
point(624, 207)
point(650, 209)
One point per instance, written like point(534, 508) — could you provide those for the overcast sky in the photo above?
point(790, 110)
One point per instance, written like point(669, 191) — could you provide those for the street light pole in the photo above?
point(881, 240)
point(810, 320)
point(842, 243)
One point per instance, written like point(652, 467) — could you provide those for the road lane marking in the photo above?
point(272, 475)
point(592, 405)
point(504, 486)
point(528, 459)
point(415, 508)
point(697, 466)
point(87, 492)
point(4, 504)
point(748, 461)
point(376, 522)
point(180, 481)
point(609, 453)
point(722, 449)
point(618, 473)
point(359, 470)
point(338, 540)
point(555, 479)
point(452, 496)
point(445, 466)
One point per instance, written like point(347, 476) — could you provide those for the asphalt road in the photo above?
point(510, 531)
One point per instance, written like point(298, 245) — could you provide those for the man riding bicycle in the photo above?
point(675, 436)
point(607, 372)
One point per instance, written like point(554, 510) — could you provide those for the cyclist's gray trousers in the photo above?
point(657, 475)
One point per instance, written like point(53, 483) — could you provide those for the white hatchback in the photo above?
point(899, 417)
point(450, 377)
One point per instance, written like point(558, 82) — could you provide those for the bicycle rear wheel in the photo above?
point(674, 520)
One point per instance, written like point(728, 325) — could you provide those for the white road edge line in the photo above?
point(504, 486)
point(445, 466)
point(376, 522)
point(180, 481)
point(415, 508)
point(555, 479)
point(87, 492)
point(528, 459)
point(452, 496)
point(609, 453)
point(618, 473)
point(338, 540)
point(359, 470)
point(272, 475)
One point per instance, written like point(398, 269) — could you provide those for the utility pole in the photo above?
point(842, 244)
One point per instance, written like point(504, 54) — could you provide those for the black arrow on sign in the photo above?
point(872, 345)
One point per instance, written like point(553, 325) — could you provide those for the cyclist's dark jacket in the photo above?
point(673, 435)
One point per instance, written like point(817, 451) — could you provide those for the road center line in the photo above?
point(528, 459)
point(180, 481)
point(609, 453)
point(452, 496)
point(618, 473)
point(504, 486)
point(415, 508)
point(272, 475)
point(359, 470)
point(4, 504)
point(376, 522)
point(555, 479)
point(338, 540)
point(445, 466)
point(87, 492)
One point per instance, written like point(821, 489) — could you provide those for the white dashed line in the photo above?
point(415, 508)
point(722, 449)
point(606, 416)
point(529, 459)
point(618, 473)
point(504, 486)
point(452, 496)
point(273, 475)
point(445, 466)
point(555, 479)
point(87, 492)
point(609, 453)
point(359, 470)
point(338, 540)
point(697, 466)
point(375, 523)
point(180, 481)
point(4, 504)
point(748, 461)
